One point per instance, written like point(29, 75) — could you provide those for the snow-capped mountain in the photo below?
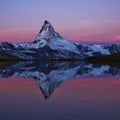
point(50, 45)
point(98, 49)
point(49, 75)
point(48, 37)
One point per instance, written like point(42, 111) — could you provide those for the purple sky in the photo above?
point(78, 20)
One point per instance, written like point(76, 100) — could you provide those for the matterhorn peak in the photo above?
point(46, 32)
point(48, 37)
point(46, 24)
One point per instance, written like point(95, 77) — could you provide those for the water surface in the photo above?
point(59, 90)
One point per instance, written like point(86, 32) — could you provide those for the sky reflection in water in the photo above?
point(79, 97)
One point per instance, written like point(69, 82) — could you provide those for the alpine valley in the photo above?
point(50, 45)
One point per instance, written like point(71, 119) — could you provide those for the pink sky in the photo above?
point(82, 21)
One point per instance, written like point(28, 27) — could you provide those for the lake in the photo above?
point(59, 91)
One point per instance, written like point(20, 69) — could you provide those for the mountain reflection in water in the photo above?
point(49, 75)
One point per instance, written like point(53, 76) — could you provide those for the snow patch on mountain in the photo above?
point(63, 44)
point(99, 48)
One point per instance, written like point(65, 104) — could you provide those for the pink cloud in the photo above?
point(17, 34)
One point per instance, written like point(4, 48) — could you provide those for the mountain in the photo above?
point(50, 45)
point(50, 75)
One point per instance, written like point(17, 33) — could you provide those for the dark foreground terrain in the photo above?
point(112, 60)
point(6, 57)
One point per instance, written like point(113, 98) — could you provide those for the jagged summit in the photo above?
point(47, 28)
point(47, 32)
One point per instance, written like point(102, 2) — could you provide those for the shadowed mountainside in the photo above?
point(7, 57)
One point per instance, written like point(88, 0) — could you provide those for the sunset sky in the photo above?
point(79, 20)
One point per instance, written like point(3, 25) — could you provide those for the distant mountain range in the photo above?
point(50, 45)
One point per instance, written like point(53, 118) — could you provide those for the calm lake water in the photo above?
point(59, 91)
